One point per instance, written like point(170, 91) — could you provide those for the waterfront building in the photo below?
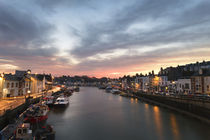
point(207, 84)
point(142, 83)
point(188, 70)
point(37, 83)
point(23, 82)
point(14, 85)
point(200, 82)
point(10, 85)
point(183, 86)
point(124, 84)
point(163, 80)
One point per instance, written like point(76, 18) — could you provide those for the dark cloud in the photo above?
point(128, 62)
point(23, 34)
point(178, 21)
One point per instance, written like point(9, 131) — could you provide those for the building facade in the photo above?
point(183, 86)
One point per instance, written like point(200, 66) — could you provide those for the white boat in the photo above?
point(115, 91)
point(61, 101)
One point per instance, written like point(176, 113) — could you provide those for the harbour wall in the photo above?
point(194, 108)
point(10, 115)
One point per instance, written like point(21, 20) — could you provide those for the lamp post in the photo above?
point(29, 91)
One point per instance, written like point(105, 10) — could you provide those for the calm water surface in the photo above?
point(96, 115)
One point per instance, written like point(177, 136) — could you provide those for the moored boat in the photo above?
point(115, 91)
point(76, 89)
point(108, 89)
point(23, 132)
point(36, 113)
point(49, 100)
point(62, 101)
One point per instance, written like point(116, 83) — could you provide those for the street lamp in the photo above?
point(29, 92)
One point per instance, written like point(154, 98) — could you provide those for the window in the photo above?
point(197, 87)
point(12, 85)
point(19, 131)
point(208, 88)
point(16, 85)
point(8, 85)
point(187, 86)
point(24, 130)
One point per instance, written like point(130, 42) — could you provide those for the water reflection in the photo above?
point(132, 100)
point(147, 113)
point(146, 106)
point(96, 116)
point(110, 98)
point(136, 100)
point(120, 98)
point(58, 110)
point(158, 122)
point(174, 127)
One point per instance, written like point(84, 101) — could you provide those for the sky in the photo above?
point(102, 37)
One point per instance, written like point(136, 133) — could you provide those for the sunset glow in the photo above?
point(102, 38)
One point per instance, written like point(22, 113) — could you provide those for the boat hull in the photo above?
point(61, 105)
point(34, 120)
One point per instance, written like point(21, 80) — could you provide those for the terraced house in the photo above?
point(23, 82)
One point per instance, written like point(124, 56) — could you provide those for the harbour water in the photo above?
point(94, 114)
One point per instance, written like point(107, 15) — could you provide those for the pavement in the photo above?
point(13, 102)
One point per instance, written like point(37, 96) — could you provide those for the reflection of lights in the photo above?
point(156, 109)
point(120, 98)
point(146, 106)
point(174, 127)
point(158, 121)
point(136, 100)
point(132, 100)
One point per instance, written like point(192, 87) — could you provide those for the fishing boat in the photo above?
point(23, 132)
point(62, 101)
point(49, 100)
point(36, 113)
point(68, 91)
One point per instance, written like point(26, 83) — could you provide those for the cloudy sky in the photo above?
point(102, 37)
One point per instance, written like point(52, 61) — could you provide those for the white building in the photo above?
point(12, 85)
point(183, 86)
point(143, 83)
point(21, 83)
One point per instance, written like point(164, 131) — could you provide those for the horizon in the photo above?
point(102, 38)
point(114, 75)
